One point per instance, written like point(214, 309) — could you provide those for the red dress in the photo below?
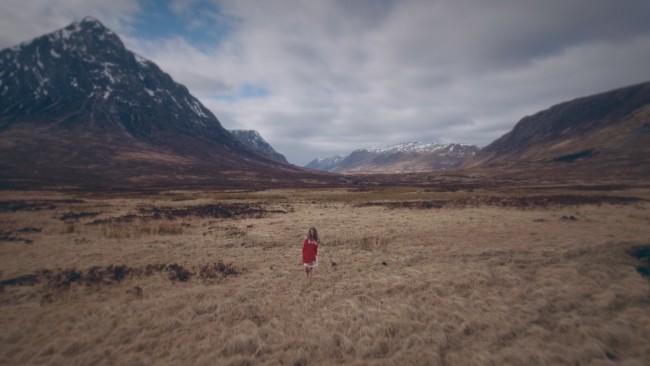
point(309, 251)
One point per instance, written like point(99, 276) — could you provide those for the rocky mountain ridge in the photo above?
point(403, 157)
point(325, 164)
point(254, 141)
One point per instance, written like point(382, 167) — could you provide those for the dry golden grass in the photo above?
point(484, 285)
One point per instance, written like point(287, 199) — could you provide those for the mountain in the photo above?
point(605, 135)
point(404, 157)
point(79, 109)
point(325, 164)
point(253, 140)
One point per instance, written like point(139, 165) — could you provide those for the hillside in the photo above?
point(603, 135)
point(79, 109)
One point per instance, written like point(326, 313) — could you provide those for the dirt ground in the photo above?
point(406, 276)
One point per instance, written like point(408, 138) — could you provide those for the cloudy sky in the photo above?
point(319, 78)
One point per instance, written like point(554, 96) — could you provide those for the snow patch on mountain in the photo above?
point(403, 157)
point(142, 61)
point(326, 164)
point(336, 157)
point(412, 146)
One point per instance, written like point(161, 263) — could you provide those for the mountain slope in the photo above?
point(325, 164)
point(255, 142)
point(608, 133)
point(404, 157)
point(77, 108)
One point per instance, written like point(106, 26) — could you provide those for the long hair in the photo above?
point(312, 234)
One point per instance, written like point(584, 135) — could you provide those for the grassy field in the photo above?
point(406, 277)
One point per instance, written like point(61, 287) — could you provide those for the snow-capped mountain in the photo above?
point(253, 140)
point(403, 157)
point(415, 146)
point(84, 74)
point(79, 109)
point(325, 164)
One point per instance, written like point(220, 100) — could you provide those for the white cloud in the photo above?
point(187, 64)
point(22, 20)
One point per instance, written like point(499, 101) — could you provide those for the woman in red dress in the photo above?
point(309, 252)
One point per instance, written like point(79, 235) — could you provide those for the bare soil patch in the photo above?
point(36, 205)
point(63, 279)
point(221, 211)
point(507, 202)
point(75, 216)
point(226, 211)
point(10, 237)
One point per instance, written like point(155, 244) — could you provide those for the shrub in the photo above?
point(217, 270)
point(178, 273)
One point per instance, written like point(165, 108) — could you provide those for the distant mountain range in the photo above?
point(255, 142)
point(325, 164)
point(404, 157)
point(79, 109)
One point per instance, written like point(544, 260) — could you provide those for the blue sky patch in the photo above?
point(252, 91)
point(200, 23)
point(247, 91)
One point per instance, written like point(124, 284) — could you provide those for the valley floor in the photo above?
point(406, 276)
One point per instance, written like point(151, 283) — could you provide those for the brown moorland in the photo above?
point(407, 275)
